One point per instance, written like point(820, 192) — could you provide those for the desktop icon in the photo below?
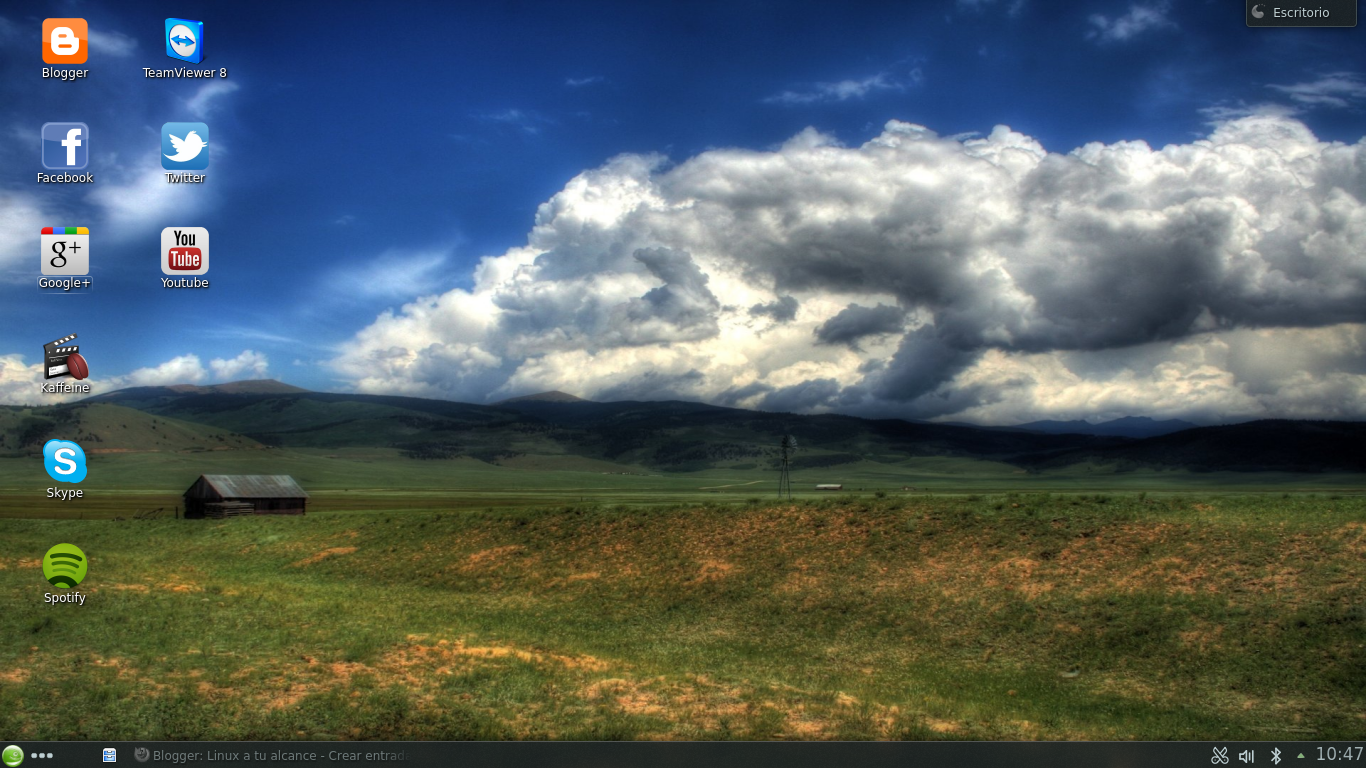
point(185, 40)
point(64, 461)
point(12, 756)
point(184, 250)
point(65, 41)
point(65, 250)
point(62, 359)
point(64, 566)
point(184, 146)
point(111, 755)
point(66, 146)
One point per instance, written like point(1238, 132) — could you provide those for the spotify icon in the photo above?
point(64, 566)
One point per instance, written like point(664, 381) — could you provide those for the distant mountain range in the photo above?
point(543, 397)
point(662, 436)
point(1129, 426)
point(248, 387)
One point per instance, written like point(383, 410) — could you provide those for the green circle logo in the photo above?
point(13, 756)
point(64, 566)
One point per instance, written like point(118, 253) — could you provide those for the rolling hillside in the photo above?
point(304, 419)
point(678, 436)
point(107, 428)
point(672, 435)
point(1288, 446)
point(1129, 426)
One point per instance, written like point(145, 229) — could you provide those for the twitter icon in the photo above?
point(185, 146)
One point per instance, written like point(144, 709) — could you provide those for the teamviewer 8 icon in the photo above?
point(185, 40)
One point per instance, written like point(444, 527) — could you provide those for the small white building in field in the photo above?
point(830, 487)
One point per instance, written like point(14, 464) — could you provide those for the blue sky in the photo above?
point(363, 159)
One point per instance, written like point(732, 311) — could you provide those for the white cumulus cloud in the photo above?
point(21, 382)
point(922, 276)
point(184, 369)
point(247, 365)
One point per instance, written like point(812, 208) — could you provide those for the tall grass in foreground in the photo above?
point(986, 617)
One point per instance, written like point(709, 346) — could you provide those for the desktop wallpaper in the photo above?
point(958, 369)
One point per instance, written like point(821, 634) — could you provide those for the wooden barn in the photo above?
point(219, 496)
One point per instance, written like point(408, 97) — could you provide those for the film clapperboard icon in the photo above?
point(66, 251)
point(61, 360)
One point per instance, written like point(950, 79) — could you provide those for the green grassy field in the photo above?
point(121, 484)
point(1006, 616)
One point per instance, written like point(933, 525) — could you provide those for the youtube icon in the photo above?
point(184, 250)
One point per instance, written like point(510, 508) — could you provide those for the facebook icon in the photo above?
point(66, 146)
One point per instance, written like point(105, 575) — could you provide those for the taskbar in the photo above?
point(693, 754)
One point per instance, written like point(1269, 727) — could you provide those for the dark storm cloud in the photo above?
point(856, 322)
point(653, 386)
point(683, 309)
point(1014, 248)
point(920, 365)
point(783, 310)
point(735, 395)
point(801, 397)
point(591, 313)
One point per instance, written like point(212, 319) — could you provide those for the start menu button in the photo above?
point(1302, 13)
